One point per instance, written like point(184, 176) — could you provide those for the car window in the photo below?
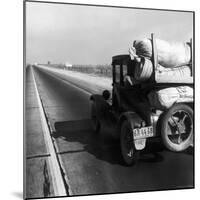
point(125, 71)
point(117, 73)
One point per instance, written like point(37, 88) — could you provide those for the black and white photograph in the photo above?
point(108, 99)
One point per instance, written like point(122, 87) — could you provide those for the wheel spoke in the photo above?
point(130, 154)
point(179, 139)
point(171, 122)
point(182, 121)
point(172, 117)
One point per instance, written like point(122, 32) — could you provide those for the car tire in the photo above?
point(129, 154)
point(95, 121)
point(177, 128)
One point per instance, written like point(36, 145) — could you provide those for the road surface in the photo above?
point(92, 163)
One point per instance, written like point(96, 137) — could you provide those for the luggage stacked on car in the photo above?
point(169, 54)
point(164, 98)
point(159, 61)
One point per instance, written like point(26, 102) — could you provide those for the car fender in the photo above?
point(101, 105)
point(134, 119)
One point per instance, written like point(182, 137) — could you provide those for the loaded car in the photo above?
point(133, 110)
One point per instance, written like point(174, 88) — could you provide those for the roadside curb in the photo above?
point(60, 184)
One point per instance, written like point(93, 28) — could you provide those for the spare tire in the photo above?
point(177, 127)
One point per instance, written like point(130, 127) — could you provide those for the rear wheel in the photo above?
point(177, 128)
point(129, 154)
point(95, 121)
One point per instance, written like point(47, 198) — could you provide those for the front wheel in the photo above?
point(177, 127)
point(129, 153)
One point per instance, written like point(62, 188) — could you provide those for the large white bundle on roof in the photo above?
point(169, 54)
point(144, 70)
point(165, 98)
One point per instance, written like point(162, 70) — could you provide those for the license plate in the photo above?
point(144, 132)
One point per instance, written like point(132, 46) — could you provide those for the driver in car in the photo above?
point(137, 98)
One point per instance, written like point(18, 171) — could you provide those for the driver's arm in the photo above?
point(127, 79)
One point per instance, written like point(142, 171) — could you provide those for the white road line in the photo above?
point(57, 179)
point(66, 82)
point(73, 85)
point(58, 77)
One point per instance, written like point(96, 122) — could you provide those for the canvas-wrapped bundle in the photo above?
point(169, 54)
point(174, 75)
point(165, 98)
point(143, 71)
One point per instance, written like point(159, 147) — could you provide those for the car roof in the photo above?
point(120, 59)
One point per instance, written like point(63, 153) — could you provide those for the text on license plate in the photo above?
point(144, 132)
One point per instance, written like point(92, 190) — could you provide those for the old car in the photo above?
point(134, 121)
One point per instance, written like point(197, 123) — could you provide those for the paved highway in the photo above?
point(92, 163)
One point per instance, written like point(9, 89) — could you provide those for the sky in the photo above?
point(79, 34)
